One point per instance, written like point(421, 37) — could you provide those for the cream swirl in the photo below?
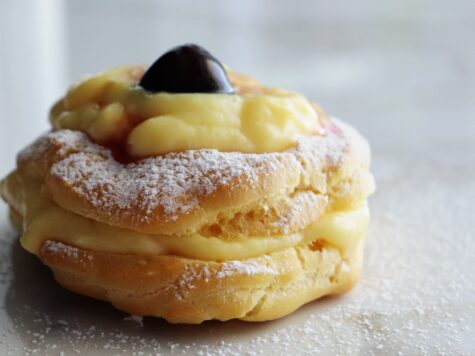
point(111, 108)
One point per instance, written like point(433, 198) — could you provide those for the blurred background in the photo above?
point(392, 68)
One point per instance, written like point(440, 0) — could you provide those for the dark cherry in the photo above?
point(186, 69)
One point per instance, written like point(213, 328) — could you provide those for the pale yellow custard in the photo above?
point(111, 107)
point(341, 229)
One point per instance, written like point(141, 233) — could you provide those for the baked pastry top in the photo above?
point(233, 182)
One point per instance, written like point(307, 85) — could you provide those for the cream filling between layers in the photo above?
point(45, 220)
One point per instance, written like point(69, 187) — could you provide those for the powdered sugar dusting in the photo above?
point(167, 186)
point(173, 182)
point(229, 268)
point(62, 142)
point(249, 269)
point(65, 250)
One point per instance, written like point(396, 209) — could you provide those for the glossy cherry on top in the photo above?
point(187, 69)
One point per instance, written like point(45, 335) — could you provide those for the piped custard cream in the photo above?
point(341, 229)
point(111, 107)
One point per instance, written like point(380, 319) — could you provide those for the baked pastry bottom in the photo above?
point(183, 290)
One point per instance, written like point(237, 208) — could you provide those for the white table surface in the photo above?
point(402, 72)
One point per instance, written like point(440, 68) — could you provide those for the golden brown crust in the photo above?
point(287, 215)
point(191, 291)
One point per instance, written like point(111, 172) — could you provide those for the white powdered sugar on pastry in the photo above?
point(238, 267)
point(173, 183)
point(229, 268)
point(61, 141)
point(60, 248)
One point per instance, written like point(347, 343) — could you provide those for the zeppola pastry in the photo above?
point(190, 192)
